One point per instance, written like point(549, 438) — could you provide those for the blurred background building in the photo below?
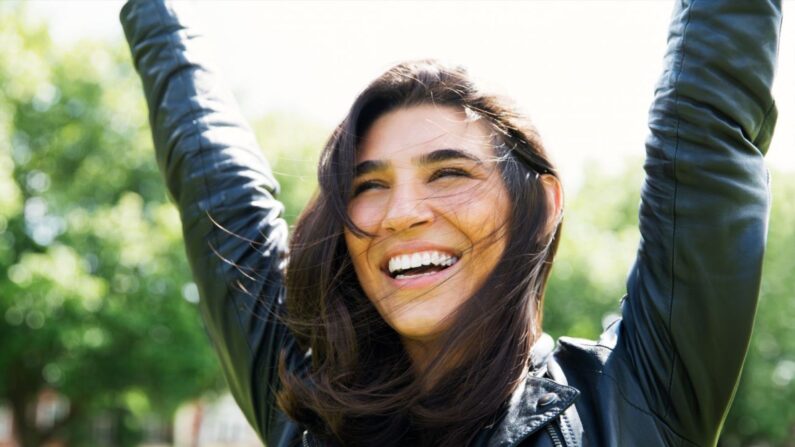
point(202, 423)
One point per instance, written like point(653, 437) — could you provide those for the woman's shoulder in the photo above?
point(612, 405)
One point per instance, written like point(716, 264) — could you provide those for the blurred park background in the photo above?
point(100, 340)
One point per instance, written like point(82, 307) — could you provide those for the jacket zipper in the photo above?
point(556, 441)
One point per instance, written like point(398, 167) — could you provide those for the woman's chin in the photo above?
point(421, 329)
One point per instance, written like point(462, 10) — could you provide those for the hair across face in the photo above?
point(431, 223)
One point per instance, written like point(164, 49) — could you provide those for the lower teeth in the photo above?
point(417, 275)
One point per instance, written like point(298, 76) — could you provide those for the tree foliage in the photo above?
point(600, 236)
point(92, 268)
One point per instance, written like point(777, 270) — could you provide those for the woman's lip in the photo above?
point(421, 281)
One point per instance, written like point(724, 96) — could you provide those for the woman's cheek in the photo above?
point(473, 202)
point(365, 214)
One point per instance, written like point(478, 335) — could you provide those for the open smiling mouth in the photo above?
point(419, 264)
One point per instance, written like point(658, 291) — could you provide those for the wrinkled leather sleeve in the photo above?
point(224, 189)
point(692, 293)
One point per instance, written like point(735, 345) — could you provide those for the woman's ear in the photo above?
point(554, 193)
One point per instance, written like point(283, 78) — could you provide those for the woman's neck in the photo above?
point(421, 353)
point(427, 361)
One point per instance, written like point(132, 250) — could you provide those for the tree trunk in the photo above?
point(23, 409)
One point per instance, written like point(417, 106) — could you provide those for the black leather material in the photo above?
point(663, 375)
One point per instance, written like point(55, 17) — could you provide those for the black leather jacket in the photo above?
point(664, 374)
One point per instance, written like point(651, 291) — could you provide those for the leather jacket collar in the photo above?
point(540, 399)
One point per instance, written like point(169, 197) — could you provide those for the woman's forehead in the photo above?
point(407, 134)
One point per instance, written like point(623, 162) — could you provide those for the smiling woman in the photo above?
point(432, 218)
point(423, 204)
point(409, 309)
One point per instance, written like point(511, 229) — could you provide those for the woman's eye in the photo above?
point(366, 186)
point(449, 172)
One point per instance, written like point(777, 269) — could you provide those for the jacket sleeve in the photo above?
point(234, 234)
point(692, 292)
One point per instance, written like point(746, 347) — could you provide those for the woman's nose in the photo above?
point(407, 208)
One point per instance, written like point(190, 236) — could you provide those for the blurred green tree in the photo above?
point(292, 146)
point(92, 265)
point(600, 237)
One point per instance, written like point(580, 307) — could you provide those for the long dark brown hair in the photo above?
point(361, 389)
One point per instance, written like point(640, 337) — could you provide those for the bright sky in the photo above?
point(585, 70)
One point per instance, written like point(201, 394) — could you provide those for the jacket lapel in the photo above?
point(536, 401)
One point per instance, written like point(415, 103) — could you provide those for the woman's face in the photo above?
point(429, 191)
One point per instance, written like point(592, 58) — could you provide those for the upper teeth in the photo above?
point(414, 260)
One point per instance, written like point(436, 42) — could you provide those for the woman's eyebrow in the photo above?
point(440, 155)
point(369, 166)
point(437, 156)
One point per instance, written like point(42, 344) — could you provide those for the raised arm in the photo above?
point(692, 293)
point(235, 237)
